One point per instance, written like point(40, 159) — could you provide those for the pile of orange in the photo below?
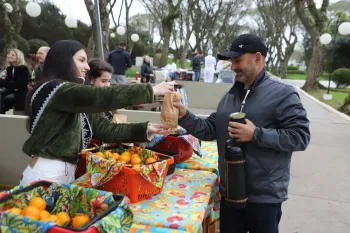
point(130, 157)
point(37, 210)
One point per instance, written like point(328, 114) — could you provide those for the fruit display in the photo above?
point(63, 208)
point(130, 156)
point(37, 211)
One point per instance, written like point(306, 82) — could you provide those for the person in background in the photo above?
point(41, 55)
point(197, 65)
point(100, 75)
point(209, 69)
point(120, 61)
point(15, 84)
point(276, 126)
point(146, 70)
point(62, 114)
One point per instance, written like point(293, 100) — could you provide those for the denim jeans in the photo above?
point(197, 76)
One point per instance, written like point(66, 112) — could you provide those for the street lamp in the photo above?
point(343, 29)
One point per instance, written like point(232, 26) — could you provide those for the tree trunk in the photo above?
point(284, 69)
point(345, 108)
point(90, 50)
point(104, 26)
point(315, 66)
point(165, 51)
point(284, 63)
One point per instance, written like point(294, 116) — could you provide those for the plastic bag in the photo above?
point(169, 114)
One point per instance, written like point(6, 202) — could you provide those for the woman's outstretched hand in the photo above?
point(163, 87)
point(154, 129)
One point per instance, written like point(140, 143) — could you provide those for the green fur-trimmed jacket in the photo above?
point(63, 119)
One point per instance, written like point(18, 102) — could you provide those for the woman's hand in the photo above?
point(163, 87)
point(154, 129)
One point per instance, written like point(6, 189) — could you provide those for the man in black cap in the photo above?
point(276, 126)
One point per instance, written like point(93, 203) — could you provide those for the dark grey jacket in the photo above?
point(282, 128)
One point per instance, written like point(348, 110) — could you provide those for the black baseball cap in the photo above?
point(245, 43)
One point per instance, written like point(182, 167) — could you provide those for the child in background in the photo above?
point(100, 75)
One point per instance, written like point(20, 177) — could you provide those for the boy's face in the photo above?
point(103, 81)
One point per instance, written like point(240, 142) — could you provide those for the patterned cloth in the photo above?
point(100, 170)
point(69, 198)
point(181, 132)
point(208, 162)
point(138, 228)
point(182, 205)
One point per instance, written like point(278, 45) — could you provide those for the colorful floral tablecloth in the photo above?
point(182, 205)
point(208, 162)
point(138, 228)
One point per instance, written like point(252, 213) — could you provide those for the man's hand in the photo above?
point(181, 108)
point(242, 132)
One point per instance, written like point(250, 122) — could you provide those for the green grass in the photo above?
point(132, 72)
point(335, 102)
point(303, 76)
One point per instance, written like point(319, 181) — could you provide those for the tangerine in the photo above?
point(15, 210)
point(44, 214)
point(31, 212)
point(135, 159)
point(38, 202)
point(99, 155)
point(115, 155)
point(80, 220)
point(63, 218)
point(108, 153)
point(53, 218)
point(150, 160)
point(125, 157)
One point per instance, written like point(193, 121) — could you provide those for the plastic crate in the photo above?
point(177, 145)
point(130, 183)
point(174, 155)
point(89, 228)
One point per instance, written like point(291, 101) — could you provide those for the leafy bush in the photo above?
point(35, 44)
point(293, 67)
point(341, 77)
point(296, 72)
point(22, 45)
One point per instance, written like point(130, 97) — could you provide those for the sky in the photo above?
point(77, 8)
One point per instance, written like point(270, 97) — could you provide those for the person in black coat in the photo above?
point(146, 70)
point(14, 85)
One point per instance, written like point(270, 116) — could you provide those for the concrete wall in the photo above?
point(13, 161)
point(204, 95)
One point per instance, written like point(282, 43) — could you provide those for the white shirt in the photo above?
point(210, 61)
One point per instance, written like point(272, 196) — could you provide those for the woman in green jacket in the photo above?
point(61, 114)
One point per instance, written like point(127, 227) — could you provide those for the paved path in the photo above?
point(320, 182)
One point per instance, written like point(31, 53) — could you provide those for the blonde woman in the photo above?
point(146, 70)
point(14, 85)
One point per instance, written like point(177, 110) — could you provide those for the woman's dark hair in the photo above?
point(59, 64)
point(97, 66)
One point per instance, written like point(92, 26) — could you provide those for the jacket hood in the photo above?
point(119, 50)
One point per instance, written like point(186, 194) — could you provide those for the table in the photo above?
point(182, 205)
point(208, 162)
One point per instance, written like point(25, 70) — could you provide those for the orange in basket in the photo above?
point(130, 183)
